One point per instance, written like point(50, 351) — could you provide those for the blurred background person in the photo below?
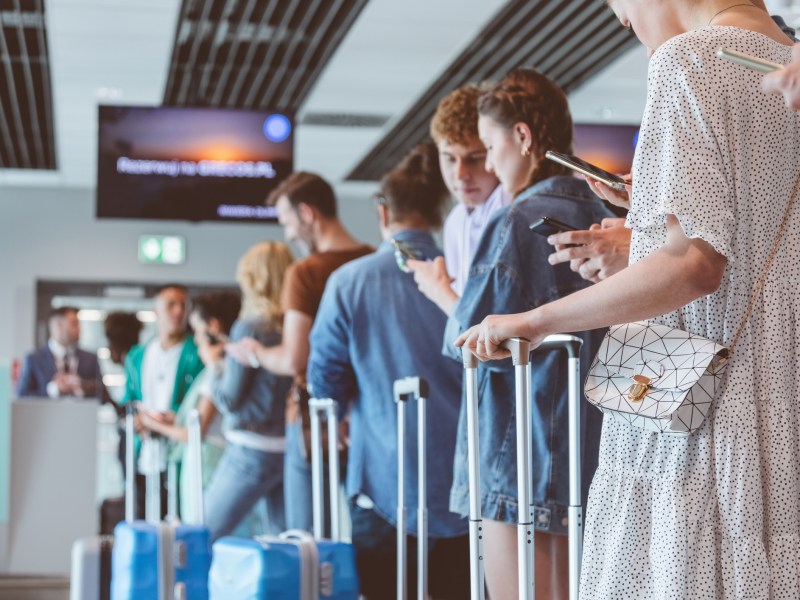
point(211, 319)
point(157, 375)
point(252, 401)
point(61, 368)
point(122, 331)
point(307, 210)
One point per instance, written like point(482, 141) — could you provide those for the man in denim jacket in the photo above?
point(372, 328)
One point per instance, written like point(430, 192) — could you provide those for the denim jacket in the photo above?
point(373, 327)
point(248, 398)
point(510, 274)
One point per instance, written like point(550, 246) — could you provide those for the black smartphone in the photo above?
point(581, 166)
point(547, 226)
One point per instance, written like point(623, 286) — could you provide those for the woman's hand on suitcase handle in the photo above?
point(485, 340)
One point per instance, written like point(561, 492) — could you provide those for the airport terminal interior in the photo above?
point(139, 142)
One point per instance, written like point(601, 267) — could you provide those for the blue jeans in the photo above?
point(242, 477)
point(297, 480)
point(297, 483)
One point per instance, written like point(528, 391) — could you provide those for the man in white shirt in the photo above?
point(61, 369)
point(159, 373)
point(462, 160)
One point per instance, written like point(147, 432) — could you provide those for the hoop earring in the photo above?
point(526, 152)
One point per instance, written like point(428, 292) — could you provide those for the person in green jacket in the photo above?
point(158, 375)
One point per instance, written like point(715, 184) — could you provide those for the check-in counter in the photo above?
point(51, 471)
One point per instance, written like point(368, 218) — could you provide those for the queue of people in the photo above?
point(708, 246)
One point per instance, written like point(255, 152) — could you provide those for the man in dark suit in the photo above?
point(61, 368)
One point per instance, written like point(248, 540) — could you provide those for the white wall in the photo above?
point(53, 234)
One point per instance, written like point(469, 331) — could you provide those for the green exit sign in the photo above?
point(164, 249)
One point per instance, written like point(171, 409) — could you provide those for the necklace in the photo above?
point(711, 20)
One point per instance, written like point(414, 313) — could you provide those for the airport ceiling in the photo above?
point(363, 76)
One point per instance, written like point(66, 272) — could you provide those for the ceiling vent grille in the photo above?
point(568, 41)
point(26, 107)
point(254, 54)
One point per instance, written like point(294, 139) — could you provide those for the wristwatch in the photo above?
point(252, 358)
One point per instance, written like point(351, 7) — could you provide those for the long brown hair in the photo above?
point(527, 96)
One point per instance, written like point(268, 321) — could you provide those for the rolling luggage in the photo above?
point(294, 565)
point(90, 577)
point(265, 568)
point(154, 560)
point(520, 355)
point(337, 559)
point(404, 390)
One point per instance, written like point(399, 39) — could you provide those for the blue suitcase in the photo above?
point(154, 560)
point(293, 566)
point(265, 568)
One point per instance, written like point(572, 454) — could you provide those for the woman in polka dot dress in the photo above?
point(715, 515)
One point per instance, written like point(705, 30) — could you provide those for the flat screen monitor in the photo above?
point(191, 164)
point(610, 147)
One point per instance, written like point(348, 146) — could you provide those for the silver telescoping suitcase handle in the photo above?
point(572, 345)
point(521, 357)
point(152, 509)
point(476, 585)
point(130, 463)
point(195, 450)
point(329, 407)
point(404, 389)
point(520, 350)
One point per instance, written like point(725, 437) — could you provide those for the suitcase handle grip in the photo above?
point(404, 390)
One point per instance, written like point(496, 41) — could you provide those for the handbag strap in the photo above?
point(762, 280)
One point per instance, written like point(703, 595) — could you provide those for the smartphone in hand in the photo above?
point(547, 226)
point(581, 166)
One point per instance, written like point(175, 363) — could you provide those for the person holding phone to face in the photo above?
point(519, 118)
point(714, 514)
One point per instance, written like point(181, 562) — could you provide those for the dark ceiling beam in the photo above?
point(30, 95)
point(254, 54)
point(567, 41)
point(247, 63)
point(20, 142)
point(269, 63)
point(187, 70)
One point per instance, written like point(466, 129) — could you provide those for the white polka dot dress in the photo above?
point(715, 515)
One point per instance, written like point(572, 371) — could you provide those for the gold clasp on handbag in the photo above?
point(640, 388)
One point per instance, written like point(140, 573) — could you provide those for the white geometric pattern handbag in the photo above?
point(656, 377)
point(665, 379)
